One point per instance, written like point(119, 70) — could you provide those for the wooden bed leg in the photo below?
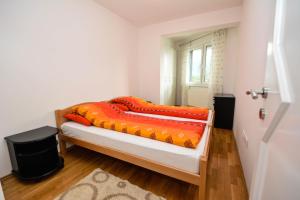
point(202, 186)
point(204, 163)
point(62, 145)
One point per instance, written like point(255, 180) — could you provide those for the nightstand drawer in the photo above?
point(41, 163)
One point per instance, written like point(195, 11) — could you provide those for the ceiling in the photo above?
point(145, 12)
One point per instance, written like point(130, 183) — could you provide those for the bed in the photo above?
point(182, 163)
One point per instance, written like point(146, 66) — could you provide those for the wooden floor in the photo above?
point(225, 175)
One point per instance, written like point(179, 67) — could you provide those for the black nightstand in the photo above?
point(224, 110)
point(34, 154)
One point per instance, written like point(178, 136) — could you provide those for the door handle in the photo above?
point(254, 93)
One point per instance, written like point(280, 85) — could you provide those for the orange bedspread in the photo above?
point(139, 105)
point(109, 116)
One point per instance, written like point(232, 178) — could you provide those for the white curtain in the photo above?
point(184, 66)
point(215, 85)
point(216, 76)
point(182, 73)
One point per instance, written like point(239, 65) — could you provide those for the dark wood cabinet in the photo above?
point(224, 110)
point(34, 153)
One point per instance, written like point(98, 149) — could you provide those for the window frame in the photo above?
point(202, 82)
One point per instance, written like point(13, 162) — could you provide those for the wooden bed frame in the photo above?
point(198, 179)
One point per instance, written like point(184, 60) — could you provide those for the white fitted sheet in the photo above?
point(172, 155)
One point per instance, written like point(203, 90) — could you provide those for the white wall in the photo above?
point(147, 70)
point(231, 60)
point(255, 30)
point(282, 180)
point(55, 53)
point(167, 72)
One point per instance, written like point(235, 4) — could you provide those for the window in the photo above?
point(196, 60)
point(200, 65)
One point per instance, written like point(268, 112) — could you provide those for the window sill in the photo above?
point(197, 85)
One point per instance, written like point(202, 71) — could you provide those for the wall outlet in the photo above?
point(245, 138)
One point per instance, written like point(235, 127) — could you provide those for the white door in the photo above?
point(1, 193)
point(276, 98)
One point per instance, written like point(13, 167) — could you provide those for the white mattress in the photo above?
point(172, 155)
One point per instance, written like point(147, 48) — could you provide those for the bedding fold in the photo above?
point(135, 104)
point(109, 116)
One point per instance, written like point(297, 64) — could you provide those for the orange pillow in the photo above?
point(121, 107)
point(78, 118)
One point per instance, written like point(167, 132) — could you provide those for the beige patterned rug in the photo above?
point(100, 185)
